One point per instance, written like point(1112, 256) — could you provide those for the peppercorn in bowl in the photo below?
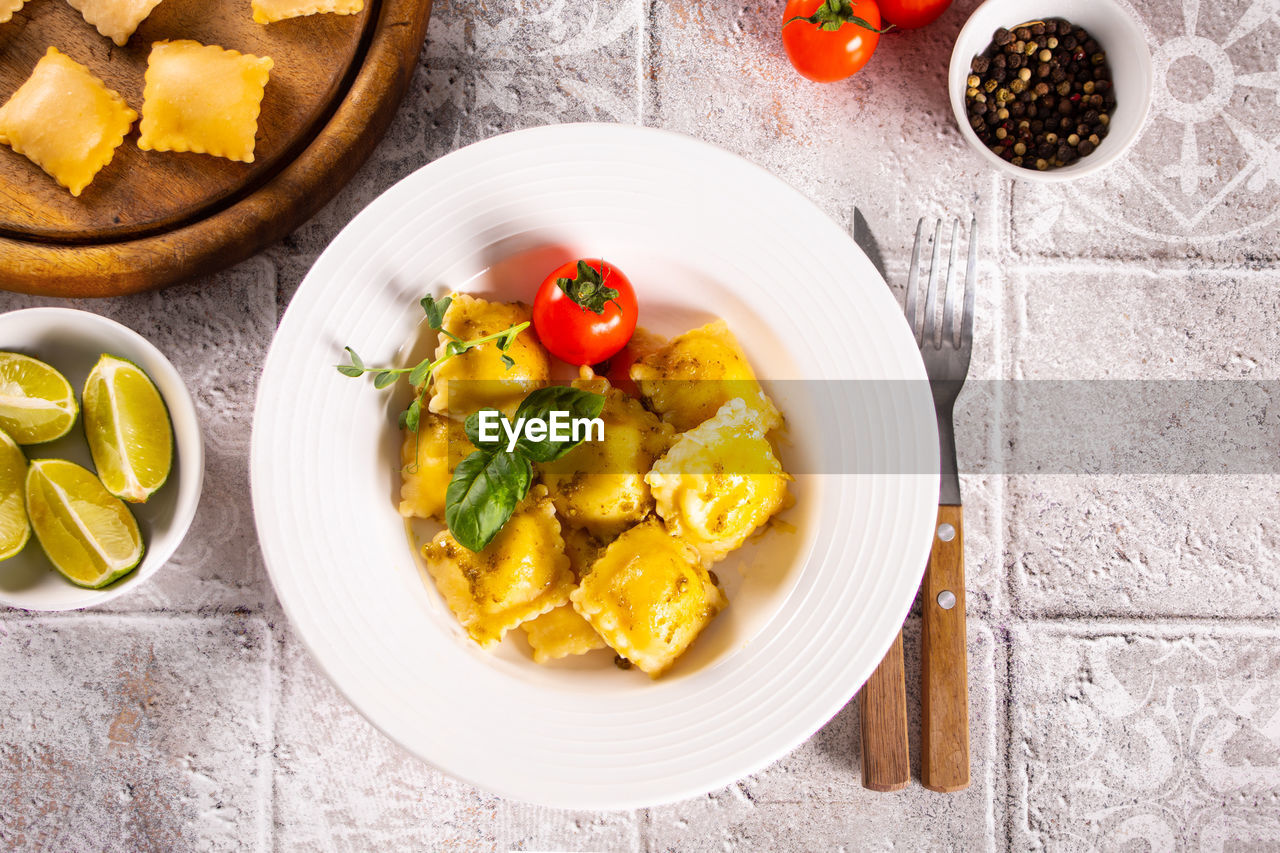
point(1050, 90)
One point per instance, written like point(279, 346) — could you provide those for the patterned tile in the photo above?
point(134, 733)
point(1146, 738)
point(384, 798)
point(1200, 183)
point(814, 800)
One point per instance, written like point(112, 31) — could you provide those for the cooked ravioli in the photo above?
point(65, 120)
point(478, 378)
point(600, 485)
point(583, 549)
point(560, 633)
point(648, 596)
point(427, 460)
point(8, 7)
point(689, 379)
point(270, 11)
point(719, 482)
point(522, 574)
point(115, 19)
point(203, 99)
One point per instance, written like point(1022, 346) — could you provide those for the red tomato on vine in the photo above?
point(911, 14)
point(585, 311)
point(829, 40)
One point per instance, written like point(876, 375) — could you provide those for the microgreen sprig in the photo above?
point(420, 374)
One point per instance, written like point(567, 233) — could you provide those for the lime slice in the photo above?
point(89, 535)
point(14, 529)
point(128, 428)
point(36, 401)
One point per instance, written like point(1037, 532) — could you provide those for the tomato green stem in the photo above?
point(834, 14)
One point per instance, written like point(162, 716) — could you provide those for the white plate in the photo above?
point(72, 341)
point(701, 233)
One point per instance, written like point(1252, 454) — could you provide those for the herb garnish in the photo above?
point(588, 288)
point(420, 374)
point(489, 484)
point(834, 14)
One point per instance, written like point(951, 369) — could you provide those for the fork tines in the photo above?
point(926, 329)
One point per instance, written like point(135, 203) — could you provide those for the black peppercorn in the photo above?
point(1039, 96)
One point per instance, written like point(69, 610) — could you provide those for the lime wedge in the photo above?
point(128, 428)
point(36, 401)
point(14, 529)
point(89, 535)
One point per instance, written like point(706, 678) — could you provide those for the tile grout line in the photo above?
point(267, 762)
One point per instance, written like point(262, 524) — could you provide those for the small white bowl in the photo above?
point(1119, 35)
point(72, 341)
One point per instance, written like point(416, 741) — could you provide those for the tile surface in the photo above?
point(1200, 183)
point(188, 717)
point(135, 732)
point(1160, 739)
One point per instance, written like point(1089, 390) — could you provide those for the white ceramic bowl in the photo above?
point(72, 341)
point(1114, 28)
point(700, 233)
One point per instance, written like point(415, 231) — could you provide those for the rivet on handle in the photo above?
point(946, 532)
point(946, 599)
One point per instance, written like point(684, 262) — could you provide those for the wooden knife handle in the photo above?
point(886, 765)
point(944, 673)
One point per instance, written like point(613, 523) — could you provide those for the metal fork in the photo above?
point(946, 349)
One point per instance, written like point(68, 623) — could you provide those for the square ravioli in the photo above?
point(65, 120)
point(479, 378)
point(719, 482)
point(203, 99)
point(689, 379)
point(115, 19)
point(648, 596)
point(600, 485)
point(270, 11)
point(427, 460)
point(522, 574)
point(8, 7)
point(560, 633)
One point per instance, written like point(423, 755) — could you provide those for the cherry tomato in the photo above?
point(910, 14)
point(585, 311)
point(827, 55)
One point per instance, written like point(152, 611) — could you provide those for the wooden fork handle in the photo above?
point(886, 764)
point(944, 736)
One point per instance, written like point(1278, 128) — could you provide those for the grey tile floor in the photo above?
point(1124, 663)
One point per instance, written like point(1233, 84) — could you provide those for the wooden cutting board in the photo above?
point(151, 218)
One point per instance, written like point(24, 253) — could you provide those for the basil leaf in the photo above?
point(484, 492)
point(472, 427)
point(557, 398)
